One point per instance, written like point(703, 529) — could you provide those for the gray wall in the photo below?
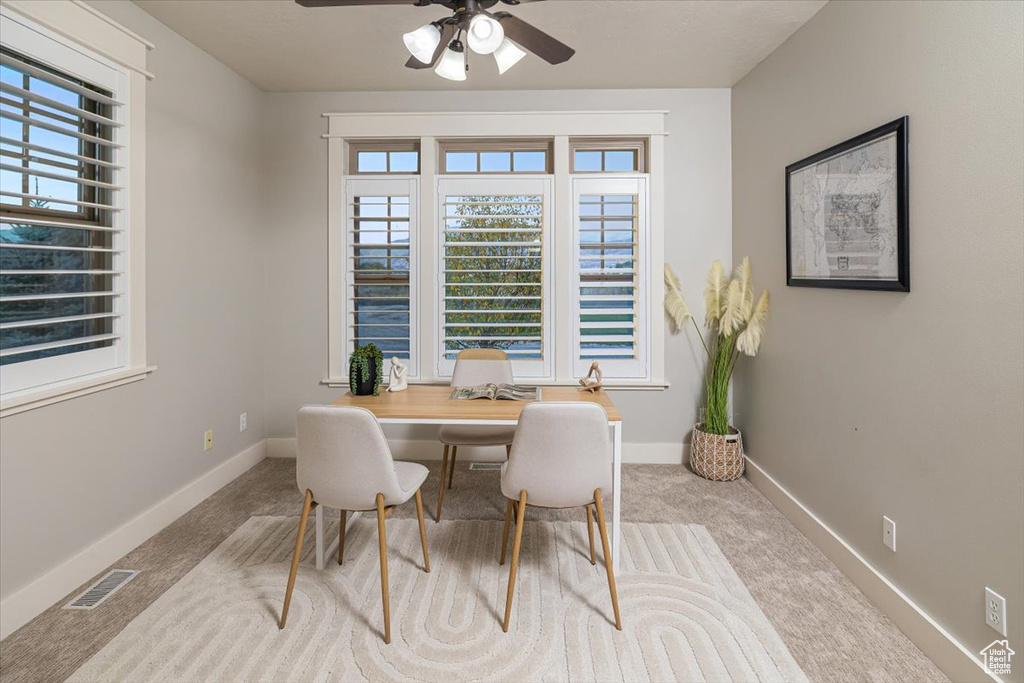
point(73, 472)
point(698, 208)
point(866, 404)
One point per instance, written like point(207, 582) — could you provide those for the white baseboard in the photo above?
point(955, 660)
point(281, 448)
point(632, 453)
point(28, 602)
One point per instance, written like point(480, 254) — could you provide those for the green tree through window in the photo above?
point(493, 274)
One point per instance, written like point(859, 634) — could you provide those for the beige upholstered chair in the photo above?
point(561, 457)
point(473, 367)
point(344, 462)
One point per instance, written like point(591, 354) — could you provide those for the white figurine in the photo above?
point(591, 383)
point(397, 381)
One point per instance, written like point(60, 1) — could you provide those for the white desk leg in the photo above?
point(319, 551)
point(616, 490)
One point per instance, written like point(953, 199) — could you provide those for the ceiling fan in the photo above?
point(440, 42)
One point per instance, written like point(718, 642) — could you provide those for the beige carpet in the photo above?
point(686, 614)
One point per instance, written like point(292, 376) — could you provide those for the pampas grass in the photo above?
point(732, 316)
point(675, 305)
point(743, 276)
point(749, 340)
point(738, 326)
point(714, 294)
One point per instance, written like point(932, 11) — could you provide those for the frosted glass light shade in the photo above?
point(453, 64)
point(485, 34)
point(422, 42)
point(507, 55)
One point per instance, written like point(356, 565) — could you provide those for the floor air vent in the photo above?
point(484, 466)
point(95, 594)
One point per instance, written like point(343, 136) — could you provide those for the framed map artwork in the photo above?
point(847, 222)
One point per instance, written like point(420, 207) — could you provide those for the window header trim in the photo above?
point(502, 125)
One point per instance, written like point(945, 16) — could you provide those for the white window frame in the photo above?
point(638, 367)
point(560, 127)
point(637, 146)
point(519, 184)
point(65, 35)
point(380, 185)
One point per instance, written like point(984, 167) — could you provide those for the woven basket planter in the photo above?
point(717, 457)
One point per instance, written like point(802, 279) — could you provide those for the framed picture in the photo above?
point(847, 222)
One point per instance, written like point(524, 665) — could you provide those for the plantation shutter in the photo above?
point(610, 288)
point(380, 273)
point(493, 267)
point(61, 242)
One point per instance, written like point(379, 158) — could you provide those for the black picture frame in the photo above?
point(902, 213)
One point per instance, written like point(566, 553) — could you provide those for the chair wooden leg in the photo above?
point(520, 513)
point(504, 535)
point(590, 532)
point(384, 591)
point(423, 531)
point(440, 486)
point(307, 505)
point(341, 536)
point(451, 472)
point(607, 557)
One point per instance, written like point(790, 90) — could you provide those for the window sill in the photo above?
point(31, 399)
point(612, 385)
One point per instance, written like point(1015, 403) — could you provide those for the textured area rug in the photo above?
point(686, 614)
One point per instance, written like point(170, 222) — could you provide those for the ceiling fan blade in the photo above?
point(447, 31)
point(549, 49)
point(354, 3)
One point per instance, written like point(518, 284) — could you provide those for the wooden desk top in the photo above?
point(431, 402)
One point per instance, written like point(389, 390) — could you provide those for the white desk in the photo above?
point(429, 405)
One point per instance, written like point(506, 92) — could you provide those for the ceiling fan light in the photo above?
point(422, 42)
point(453, 63)
point(485, 34)
point(507, 55)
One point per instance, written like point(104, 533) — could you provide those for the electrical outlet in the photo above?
point(242, 422)
point(995, 610)
point(208, 440)
point(889, 533)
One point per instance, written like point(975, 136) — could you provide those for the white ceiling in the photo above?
point(280, 46)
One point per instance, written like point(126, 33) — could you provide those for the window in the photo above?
point(607, 156)
point(495, 156)
point(384, 157)
point(379, 248)
point(57, 278)
point(492, 263)
point(59, 249)
point(497, 243)
point(65, 262)
point(611, 270)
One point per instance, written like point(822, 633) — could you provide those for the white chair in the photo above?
point(474, 367)
point(561, 458)
point(344, 462)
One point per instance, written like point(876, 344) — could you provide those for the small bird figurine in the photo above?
point(590, 382)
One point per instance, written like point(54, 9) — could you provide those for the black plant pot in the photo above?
point(366, 388)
